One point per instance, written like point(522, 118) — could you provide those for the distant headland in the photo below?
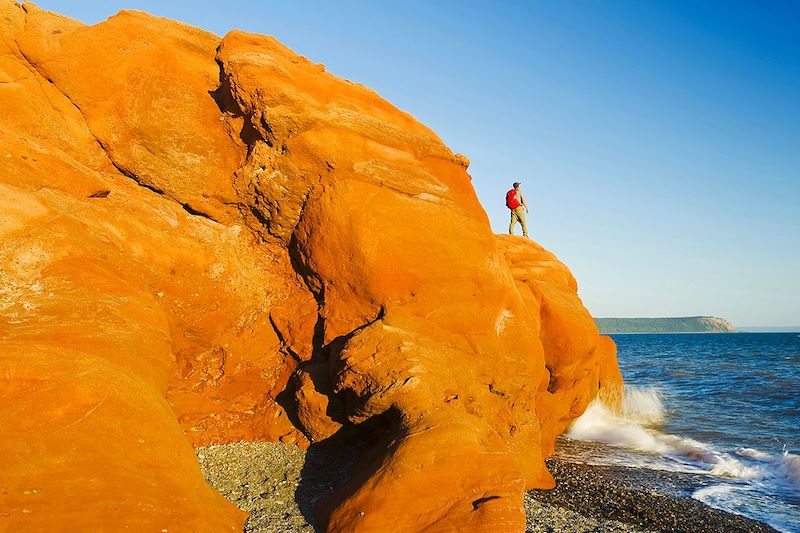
point(686, 324)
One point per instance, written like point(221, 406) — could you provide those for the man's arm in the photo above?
point(522, 200)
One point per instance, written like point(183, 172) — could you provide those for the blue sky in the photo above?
point(658, 143)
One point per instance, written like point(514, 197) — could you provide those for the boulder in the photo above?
point(209, 240)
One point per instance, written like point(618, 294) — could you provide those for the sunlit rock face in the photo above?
point(208, 240)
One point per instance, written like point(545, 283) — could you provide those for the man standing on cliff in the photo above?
point(516, 202)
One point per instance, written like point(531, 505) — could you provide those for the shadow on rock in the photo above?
point(328, 466)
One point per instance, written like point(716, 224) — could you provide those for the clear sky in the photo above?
point(658, 143)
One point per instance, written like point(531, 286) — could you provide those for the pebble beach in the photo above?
point(280, 485)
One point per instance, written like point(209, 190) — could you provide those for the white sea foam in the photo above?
point(748, 500)
point(785, 467)
point(636, 425)
point(789, 466)
point(746, 475)
point(714, 492)
point(753, 453)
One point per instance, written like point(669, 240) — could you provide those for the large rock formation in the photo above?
point(212, 240)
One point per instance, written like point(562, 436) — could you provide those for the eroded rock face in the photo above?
point(212, 240)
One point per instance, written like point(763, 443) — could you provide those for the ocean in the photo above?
point(726, 406)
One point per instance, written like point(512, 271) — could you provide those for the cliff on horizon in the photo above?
point(212, 240)
point(686, 324)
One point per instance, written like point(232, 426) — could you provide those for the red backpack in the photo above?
point(511, 199)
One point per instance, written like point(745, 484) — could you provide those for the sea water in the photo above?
point(726, 406)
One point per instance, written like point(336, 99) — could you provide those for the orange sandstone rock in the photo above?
point(207, 241)
point(579, 361)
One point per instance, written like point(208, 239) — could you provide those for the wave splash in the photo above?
point(746, 477)
point(637, 427)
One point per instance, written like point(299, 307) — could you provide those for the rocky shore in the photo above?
point(280, 485)
point(617, 498)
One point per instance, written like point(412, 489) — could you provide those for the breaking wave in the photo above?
point(745, 477)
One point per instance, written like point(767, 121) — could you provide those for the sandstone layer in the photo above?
point(209, 240)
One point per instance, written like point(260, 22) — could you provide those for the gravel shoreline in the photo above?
point(631, 499)
point(280, 485)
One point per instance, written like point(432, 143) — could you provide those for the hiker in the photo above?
point(516, 202)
